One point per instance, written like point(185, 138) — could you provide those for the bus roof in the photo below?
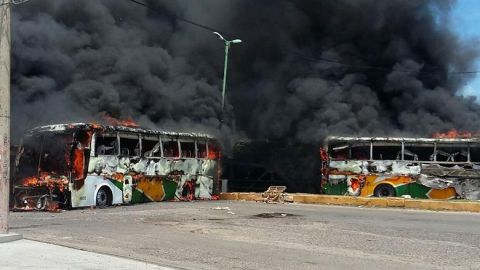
point(113, 128)
point(401, 139)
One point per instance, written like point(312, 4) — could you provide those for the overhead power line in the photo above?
point(301, 55)
point(376, 68)
point(205, 27)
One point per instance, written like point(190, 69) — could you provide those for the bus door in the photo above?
point(127, 188)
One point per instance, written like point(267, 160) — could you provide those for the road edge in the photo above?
point(433, 205)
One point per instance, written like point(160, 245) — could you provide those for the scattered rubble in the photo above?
point(276, 194)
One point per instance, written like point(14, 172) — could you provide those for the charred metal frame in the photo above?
point(117, 132)
point(462, 174)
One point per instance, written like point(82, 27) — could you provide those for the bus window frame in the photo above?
point(387, 144)
point(470, 146)
point(129, 135)
point(411, 145)
point(149, 138)
point(94, 153)
point(344, 146)
point(405, 144)
point(359, 144)
point(218, 148)
point(170, 138)
point(454, 145)
point(187, 140)
point(349, 147)
point(201, 141)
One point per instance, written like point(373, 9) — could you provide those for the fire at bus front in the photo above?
point(45, 163)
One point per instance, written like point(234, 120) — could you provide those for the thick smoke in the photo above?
point(287, 80)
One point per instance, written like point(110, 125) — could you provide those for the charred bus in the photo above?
point(415, 167)
point(80, 165)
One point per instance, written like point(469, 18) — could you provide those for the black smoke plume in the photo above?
point(306, 68)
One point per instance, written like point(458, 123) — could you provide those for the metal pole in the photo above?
point(227, 47)
point(4, 114)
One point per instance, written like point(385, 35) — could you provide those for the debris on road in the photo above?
point(221, 208)
point(276, 194)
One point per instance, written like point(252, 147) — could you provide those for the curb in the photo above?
point(9, 237)
point(434, 205)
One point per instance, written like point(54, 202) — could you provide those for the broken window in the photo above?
point(361, 151)
point(475, 153)
point(83, 137)
point(106, 144)
point(129, 145)
point(201, 150)
point(188, 149)
point(29, 155)
point(151, 147)
point(170, 148)
point(387, 151)
point(213, 150)
point(340, 152)
point(418, 152)
point(448, 153)
point(54, 156)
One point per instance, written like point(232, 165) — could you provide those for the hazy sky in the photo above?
point(466, 20)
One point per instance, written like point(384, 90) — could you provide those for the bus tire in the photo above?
point(384, 190)
point(104, 197)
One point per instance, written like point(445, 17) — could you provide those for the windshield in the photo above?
point(47, 152)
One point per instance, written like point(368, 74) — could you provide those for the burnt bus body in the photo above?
point(80, 165)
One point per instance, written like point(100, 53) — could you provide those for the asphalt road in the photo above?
point(205, 235)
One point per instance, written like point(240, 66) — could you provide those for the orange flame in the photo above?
point(46, 180)
point(30, 181)
point(454, 134)
point(213, 152)
point(78, 163)
point(128, 122)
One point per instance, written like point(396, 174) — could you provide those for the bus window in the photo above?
point(201, 150)
point(417, 152)
point(129, 145)
point(170, 148)
point(213, 151)
point(151, 147)
point(29, 156)
point(387, 151)
point(361, 152)
point(83, 137)
point(449, 153)
point(106, 145)
point(54, 150)
point(188, 149)
point(341, 152)
point(475, 153)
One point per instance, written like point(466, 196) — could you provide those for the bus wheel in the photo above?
point(384, 190)
point(41, 203)
point(103, 197)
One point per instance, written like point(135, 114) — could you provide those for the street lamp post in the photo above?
point(227, 48)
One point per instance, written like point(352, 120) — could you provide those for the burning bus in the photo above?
point(80, 165)
point(435, 168)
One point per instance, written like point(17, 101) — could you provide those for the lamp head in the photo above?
point(218, 35)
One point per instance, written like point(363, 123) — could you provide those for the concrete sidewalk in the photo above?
point(26, 254)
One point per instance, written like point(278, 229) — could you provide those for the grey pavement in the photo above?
point(8, 237)
point(249, 235)
point(26, 254)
